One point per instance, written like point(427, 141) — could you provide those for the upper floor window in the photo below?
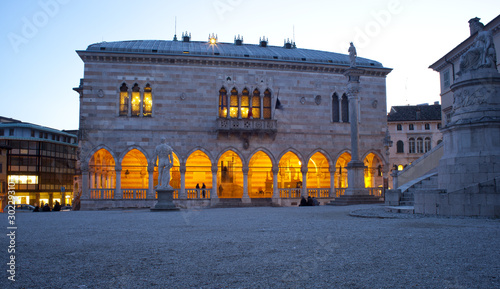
point(11, 131)
point(123, 99)
point(427, 126)
point(439, 126)
point(139, 104)
point(345, 108)
point(245, 103)
point(267, 104)
point(256, 104)
point(399, 126)
point(427, 144)
point(233, 103)
point(400, 146)
point(420, 146)
point(446, 79)
point(1, 132)
point(335, 108)
point(411, 146)
point(411, 127)
point(222, 102)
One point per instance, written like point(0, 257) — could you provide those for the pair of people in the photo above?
point(46, 208)
point(203, 191)
point(309, 202)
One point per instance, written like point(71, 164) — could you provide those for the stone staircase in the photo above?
point(345, 200)
point(429, 181)
point(237, 202)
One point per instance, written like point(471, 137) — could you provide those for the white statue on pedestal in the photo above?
point(165, 162)
point(352, 55)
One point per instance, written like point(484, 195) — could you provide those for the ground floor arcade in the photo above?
point(133, 175)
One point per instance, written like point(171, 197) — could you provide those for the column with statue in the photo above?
point(164, 155)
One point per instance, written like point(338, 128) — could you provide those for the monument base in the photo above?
point(165, 201)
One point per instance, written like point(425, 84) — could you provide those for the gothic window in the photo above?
point(256, 104)
point(427, 126)
point(345, 109)
point(420, 146)
point(335, 108)
point(222, 102)
point(233, 103)
point(147, 104)
point(267, 104)
point(245, 103)
point(400, 146)
point(136, 100)
point(427, 143)
point(123, 100)
point(411, 146)
point(410, 126)
point(399, 127)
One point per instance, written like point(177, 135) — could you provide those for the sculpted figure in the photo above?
point(482, 53)
point(165, 162)
point(352, 55)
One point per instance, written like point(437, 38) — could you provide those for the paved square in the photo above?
point(289, 247)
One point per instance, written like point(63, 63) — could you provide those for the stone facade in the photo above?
point(186, 110)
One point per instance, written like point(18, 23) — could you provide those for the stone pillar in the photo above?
point(215, 187)
point(261, 107)
point(340, 109)
point(118, 186)
point(85, 185)
point(355, 168)
point(228, 98)
point(182, 192)
point(150, 194)
point(92, 179)
point(276, 191)
point(332, 170)
point(246, 198)
point(304, 192)
point(394, 176)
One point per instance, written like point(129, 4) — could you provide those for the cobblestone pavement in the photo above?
point(292, 247)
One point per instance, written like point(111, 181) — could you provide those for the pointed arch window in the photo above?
point(123, 100)
point(411, 146)
point(222, 102)
point(147, 104)
point(345, 108)
point(335, 108)
point(233, 110)
point(400, 147)
point(136, 100)
point(245, 103)
point(427, 144)
point(267, 104)
point(420, 146)
point(256, 104)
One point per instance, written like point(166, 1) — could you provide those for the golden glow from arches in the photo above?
point(373, 171)
point(290, 173)
point(260, 176)
point(102, 170)
point(230, 176)
point(318, 172)
point(134, 173)
point(198, 170)
point(341, 170)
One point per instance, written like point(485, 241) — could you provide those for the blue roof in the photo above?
point(229, 50)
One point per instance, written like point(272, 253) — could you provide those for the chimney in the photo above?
point(475, 25)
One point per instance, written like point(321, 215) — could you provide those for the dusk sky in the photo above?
point(39, 40)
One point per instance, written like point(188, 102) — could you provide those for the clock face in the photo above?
point(100, 93)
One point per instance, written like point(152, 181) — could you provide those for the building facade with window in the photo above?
point(41, 162)
point(414, 130)
point(245, 121)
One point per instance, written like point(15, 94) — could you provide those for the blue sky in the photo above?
point(39, 39)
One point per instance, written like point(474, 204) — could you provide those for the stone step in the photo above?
point(237, 202)
point(355, 200)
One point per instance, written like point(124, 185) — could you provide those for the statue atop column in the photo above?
point(482, 54)
point(352, 55)
point(165, 156)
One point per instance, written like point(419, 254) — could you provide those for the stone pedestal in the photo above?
point(165, 201)
point(356, 179)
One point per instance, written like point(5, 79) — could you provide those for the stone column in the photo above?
point(92, 179)
point(276, 191)
point(228, 98)
point(85, 184)
point(246, 198)
point(182, 192)
point(304, 192)
point(261, 107)
point(332, 170)
point(340, 109)
point(150, 194)
point(215, 187)
point(355, 168)
point(118, 186)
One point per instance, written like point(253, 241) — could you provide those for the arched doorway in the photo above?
point(230, 176)
point(198, 174)
point(260, 176)
point(134, 175)
point(373, 171)
point(341, 173)
point(102, 175)
point(290, 176)
point(318, 176)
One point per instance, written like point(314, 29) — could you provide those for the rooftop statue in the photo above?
point(165, 162)
point(481, 54)
point(352, 55)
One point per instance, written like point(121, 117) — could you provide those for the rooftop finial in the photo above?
point(175, 31)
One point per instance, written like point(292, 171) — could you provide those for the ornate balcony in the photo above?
point(247, 126)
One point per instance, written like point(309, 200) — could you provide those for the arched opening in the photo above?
point(245, 103)
point(136, 100)
point(400, 147)
point(260, 176)
point(290, 175)
point(267, 104)
point(102, 175)
point(222, 102)
point(318, 176)
point(134, 175)
point(335, 108)
point(123, 100)
point(341, 172)
point(233, 103)
point(345, 108)
point(147, 105)
point(198, 177)
point(256, 104)
point(373, 171)
point(230, 176)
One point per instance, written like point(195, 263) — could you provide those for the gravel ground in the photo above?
point(306, 247)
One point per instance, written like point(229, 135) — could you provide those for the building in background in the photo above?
point(41, 162)
point(246, 121)
point(414, 130)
